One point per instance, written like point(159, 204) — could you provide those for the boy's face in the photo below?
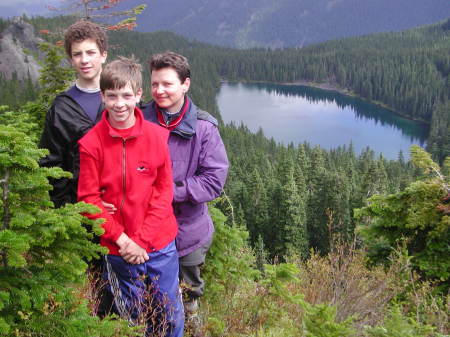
point(87, 61)
point(120, 104)
point(167, 89)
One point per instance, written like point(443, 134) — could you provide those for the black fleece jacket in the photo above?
point(65, 123)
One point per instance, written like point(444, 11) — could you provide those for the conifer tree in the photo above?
point(419, 217)
point(290, 223)
point(293, 223)
point(257, 214)
point(43, 251)
point(329, 210)
point(102, 11)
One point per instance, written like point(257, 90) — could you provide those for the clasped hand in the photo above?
point(130, 250)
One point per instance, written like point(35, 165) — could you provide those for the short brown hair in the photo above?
point(82, 30)
point(118, 73)
point(169, 59)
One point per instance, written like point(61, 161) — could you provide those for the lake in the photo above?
point(297, 114)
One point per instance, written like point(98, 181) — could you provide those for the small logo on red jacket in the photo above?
point(143, 167)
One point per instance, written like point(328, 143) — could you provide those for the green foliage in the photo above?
point(334, 295)
point(320, 321)
point(43, 251)
point(398, 325)
point(103, 11)
point(239, 298)
point(229, 259)
point(297, 198)
point(56, 75)
point(311, 186)
point(414, 216)
point(15, 92)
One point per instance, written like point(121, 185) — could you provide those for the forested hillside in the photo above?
point(364, 239)
point(264, 170)
point(286, 23)
point(408, 72)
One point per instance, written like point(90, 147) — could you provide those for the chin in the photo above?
point(164, 106)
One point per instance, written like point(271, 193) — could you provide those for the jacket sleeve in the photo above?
point(89, 192)
point(159, 208)
point(209, 179)
point(55, 139)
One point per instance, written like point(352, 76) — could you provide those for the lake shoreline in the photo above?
point(297, 113)
point(329, 86)
point(334, 87)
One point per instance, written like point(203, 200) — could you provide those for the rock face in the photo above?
point(18, 51)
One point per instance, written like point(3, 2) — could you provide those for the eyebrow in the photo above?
point(78, 51)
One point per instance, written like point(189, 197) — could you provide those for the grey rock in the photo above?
point(19, 50)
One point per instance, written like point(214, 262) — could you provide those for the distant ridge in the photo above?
point(285, 23)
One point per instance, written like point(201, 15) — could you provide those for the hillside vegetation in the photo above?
point(291, 256)
point(408, 72)
point(286, 23)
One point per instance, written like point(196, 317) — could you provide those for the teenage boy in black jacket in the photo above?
point(77, 110)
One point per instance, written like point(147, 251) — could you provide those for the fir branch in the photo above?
point(5, 186)
point(6, 215)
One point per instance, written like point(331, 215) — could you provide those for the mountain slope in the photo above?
point(17, 41)
point(285, 23)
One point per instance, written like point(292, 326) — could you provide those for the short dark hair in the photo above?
point(169, 59)
point(118, 73)
point(82, 30)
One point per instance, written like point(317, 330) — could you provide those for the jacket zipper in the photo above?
point(124, 177)
point(124, 173)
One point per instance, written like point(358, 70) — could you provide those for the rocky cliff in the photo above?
point(18, 51)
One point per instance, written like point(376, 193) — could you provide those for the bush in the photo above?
point(43, 250)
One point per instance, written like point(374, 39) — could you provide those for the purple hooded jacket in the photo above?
point(200, 167)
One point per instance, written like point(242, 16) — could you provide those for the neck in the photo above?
point(177, 108)
point(90, 84)
point(122, 125)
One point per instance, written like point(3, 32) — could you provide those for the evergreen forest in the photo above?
point(308, 242)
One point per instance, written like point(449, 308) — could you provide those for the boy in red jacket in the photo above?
point(124, 160)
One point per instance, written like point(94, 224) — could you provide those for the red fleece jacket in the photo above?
point(135, 175)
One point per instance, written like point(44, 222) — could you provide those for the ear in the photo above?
point(139, 94)
point(103, 96)
point(186, 84)
point(104, 56)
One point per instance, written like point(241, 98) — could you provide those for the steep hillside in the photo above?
point(407, 71)
point(18, 43)
point(285, 23)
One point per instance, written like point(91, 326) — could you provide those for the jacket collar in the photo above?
point(137, 128)
point(188, 124)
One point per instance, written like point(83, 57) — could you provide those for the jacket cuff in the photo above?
point(116, 236)
point(141, 243)
point(180, 191)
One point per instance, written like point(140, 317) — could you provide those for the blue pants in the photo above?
point(148, 290)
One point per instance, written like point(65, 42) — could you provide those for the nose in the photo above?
point(119, 102)
point(85, 58)
point(159, 89)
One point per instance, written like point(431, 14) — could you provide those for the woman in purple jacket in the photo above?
point(199, 164)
